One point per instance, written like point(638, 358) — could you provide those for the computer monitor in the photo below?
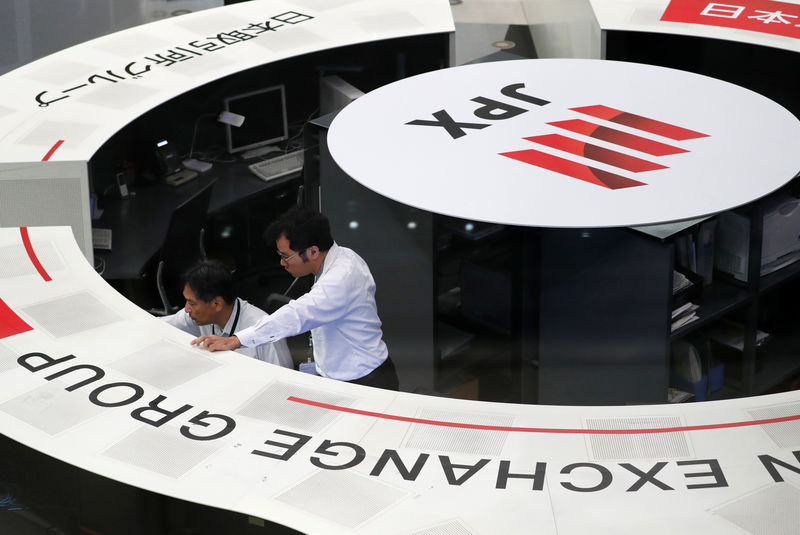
point(265, 122)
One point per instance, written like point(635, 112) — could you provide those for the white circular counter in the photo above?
point(88, 378)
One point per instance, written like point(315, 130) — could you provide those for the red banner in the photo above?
point(765, 16)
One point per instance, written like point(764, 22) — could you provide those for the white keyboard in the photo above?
point(278, 166)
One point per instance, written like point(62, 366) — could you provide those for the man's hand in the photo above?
point(217, 343)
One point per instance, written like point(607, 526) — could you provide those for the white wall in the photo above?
point(563, 28)
point(41, 194)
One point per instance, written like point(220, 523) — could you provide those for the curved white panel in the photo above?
point(324, 457)
point(66, 105)
point(769, 23)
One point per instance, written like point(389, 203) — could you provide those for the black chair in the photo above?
point(183, 246)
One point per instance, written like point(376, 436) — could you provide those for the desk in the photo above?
point(139, 222)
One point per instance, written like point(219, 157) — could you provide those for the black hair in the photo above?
point(209, 279)
point(303, 228)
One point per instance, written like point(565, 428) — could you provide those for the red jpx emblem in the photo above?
point(643, 144)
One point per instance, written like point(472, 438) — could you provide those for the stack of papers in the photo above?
point(684, 314)
point(676, 396)
point(679, 282)
point(731, 334)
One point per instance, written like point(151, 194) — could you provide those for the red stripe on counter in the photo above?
point(26, 240)
point(52, 150)
point(544, 429)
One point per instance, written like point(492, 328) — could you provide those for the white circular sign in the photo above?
point(567, 143)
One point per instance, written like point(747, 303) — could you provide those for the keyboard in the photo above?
point(278, 166)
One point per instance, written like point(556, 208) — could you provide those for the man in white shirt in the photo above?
point(213, 308)
point(339, 310)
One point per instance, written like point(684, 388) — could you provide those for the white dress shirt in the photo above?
point(341, 314)
point(277, 353)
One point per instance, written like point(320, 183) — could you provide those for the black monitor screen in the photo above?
point(264, 114)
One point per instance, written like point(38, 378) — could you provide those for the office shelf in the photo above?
point(774, 280)
point(599, 322)
point(717, 299)
point(757, 306)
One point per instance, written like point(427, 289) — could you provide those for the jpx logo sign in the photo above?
point(490, 110)
point(580, 143)
point(567, 143)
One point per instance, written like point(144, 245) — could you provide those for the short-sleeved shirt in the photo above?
point(277, 353)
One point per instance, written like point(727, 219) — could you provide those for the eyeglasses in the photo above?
point(285, 258)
